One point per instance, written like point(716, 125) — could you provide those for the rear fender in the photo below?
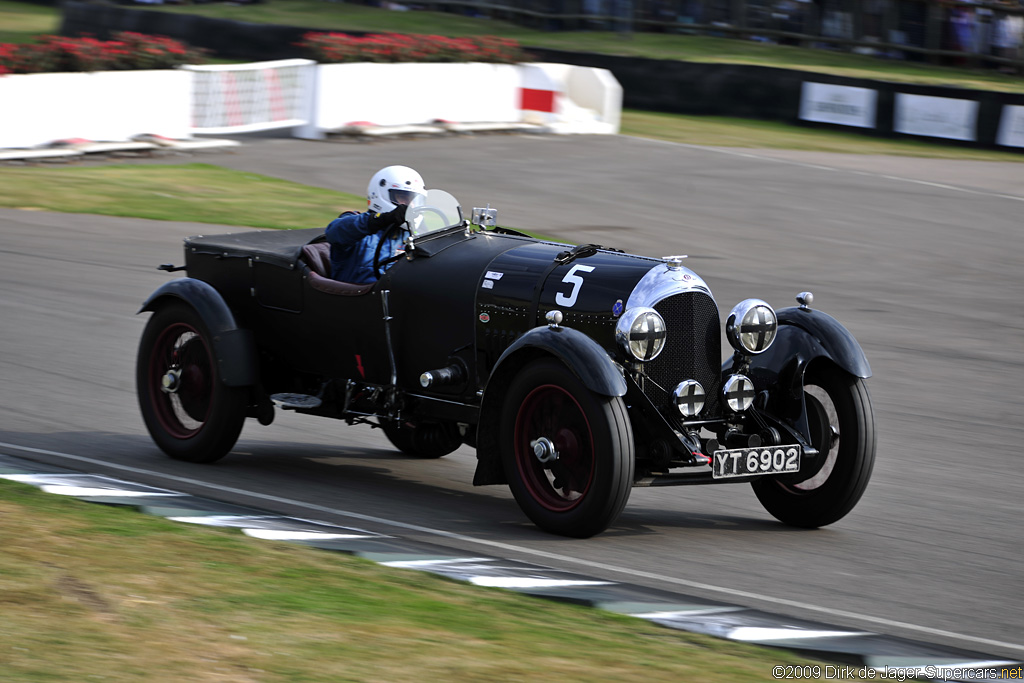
point(578, 352)
point(233, 347)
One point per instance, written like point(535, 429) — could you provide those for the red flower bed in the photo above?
point(397, 47)
point(126, 51)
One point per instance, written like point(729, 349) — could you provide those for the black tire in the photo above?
point(424, 440)
point(582, 492)
point(842, 423)
point(200, 419)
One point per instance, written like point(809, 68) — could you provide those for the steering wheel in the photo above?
point(378, 264)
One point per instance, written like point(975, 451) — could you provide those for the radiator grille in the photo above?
point(693, 351)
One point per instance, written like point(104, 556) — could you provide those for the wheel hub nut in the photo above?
point(170, 382)
point(544, 450)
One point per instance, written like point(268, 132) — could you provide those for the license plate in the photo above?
point(748, 462)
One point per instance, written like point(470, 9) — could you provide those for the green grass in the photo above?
point(716, 131)
point(89, 592)
point(192, 192)
point(21, 22)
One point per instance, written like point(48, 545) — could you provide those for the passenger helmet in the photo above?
point(392, 186)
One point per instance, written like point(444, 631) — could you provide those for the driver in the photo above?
point(354, 237)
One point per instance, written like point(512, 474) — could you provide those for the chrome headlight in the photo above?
point(641, 332)
point(689, 397)
point(751, 326)
point(738, 392)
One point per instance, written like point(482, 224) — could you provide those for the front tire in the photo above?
point(190, 413)
point(578, 479)
point(842, 424)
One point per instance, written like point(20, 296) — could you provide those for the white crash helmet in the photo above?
point(392, 186)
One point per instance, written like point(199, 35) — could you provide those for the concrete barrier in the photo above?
point(314, 100)
point(115, 105)
point(560, 97)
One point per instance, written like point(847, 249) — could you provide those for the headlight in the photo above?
point(689, 397)
point(641, 331)
point(751, 326)
point(738, 392)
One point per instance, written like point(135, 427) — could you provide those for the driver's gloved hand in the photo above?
point(398, 213)
point(379, 221)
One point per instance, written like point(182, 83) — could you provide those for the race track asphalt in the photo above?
point(920, 259)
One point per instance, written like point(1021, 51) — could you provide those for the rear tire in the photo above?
point(190, 413)
point(582, 491)
point(842, 424)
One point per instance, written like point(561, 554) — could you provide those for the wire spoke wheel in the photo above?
point(567, 452)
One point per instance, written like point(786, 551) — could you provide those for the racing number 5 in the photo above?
point(576, 281)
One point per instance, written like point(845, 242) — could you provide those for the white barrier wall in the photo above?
point(566, 98)
point(399, 94)
point(37, 109)
point(240, 98)
point(583, 99)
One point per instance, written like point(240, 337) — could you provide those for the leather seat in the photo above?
point(317, 256)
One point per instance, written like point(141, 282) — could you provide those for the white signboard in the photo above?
point(840, 104)
point(936, 117)
point(1011, 126)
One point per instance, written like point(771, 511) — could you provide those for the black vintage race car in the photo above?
point(577, 372)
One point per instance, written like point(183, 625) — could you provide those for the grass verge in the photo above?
point(718, 131)
point(199, 193)
point(89, 592)
point(21, 22)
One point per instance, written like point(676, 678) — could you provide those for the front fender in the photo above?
point(581, 354)
point(234, 348)
point(804, 336)
point(834, 340)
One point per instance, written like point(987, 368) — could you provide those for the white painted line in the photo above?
point(59, 484)
point(522, 582)
point(761, 634)
point(427, 564)
point(567, 559)
point(92, 492)
point(283, 535)
point(685, 614)
point(232, 521)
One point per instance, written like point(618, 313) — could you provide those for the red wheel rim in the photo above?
point(551, 412)
point(182, 352)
